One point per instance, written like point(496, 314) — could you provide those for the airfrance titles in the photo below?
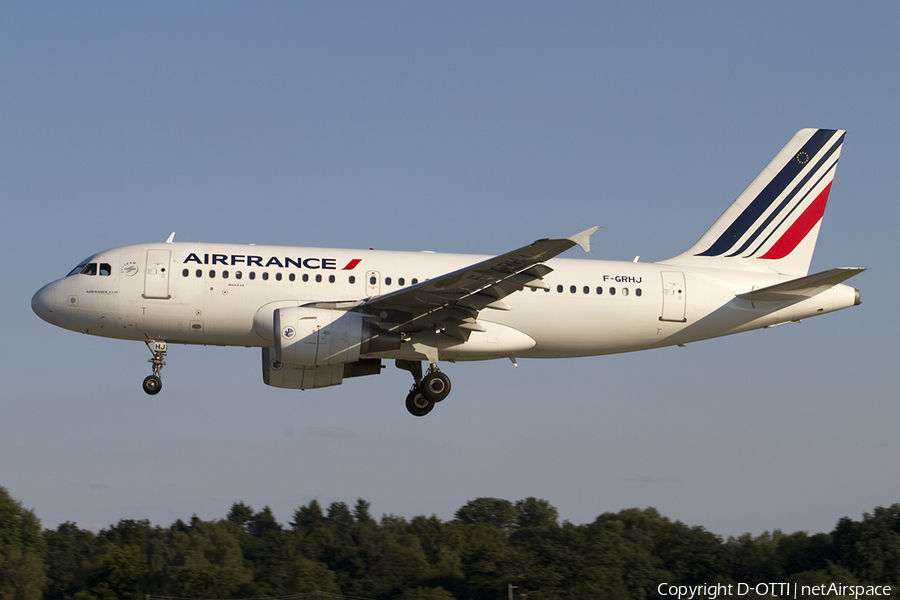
point(272, 261)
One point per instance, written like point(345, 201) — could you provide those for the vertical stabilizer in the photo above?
point(774, 223)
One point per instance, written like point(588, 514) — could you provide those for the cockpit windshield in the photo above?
point(87, 268)
point(78, 269)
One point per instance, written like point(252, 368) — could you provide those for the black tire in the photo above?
point(435, 386)
point(417, 404)
point(152, 384)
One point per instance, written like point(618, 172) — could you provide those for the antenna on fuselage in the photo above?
point(171, 239)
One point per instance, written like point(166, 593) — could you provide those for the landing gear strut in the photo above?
point(153, 383)
point(427, 390)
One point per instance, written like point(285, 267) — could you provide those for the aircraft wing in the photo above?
point(802, 287)
point(453, 301)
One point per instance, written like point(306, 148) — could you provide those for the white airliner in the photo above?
point(322, 315)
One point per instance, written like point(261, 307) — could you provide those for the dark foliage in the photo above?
point(489, 545)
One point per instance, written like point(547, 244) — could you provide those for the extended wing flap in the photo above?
point(802, 287)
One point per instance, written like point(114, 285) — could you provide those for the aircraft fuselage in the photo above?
point(225, 294)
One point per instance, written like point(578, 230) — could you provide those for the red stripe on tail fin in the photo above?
point(800, 228)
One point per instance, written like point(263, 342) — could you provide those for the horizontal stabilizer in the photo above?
point(802, 287)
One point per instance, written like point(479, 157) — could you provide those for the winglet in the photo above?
point(583, 239)
point(171, 239)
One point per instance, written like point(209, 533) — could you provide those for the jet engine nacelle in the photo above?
point(299, 377)
point(316, 337)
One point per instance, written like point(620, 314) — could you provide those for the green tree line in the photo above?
point(489, 544)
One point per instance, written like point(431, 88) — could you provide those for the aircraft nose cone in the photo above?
point(42, 303)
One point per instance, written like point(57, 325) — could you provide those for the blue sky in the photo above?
point(457, 127)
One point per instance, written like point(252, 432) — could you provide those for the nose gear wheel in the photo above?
point(153, 383)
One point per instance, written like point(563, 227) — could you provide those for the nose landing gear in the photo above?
point(153, 383)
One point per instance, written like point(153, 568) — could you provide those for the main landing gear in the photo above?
point(427, 390)
point(153, 383)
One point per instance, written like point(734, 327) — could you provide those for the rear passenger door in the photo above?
point(674, 297)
